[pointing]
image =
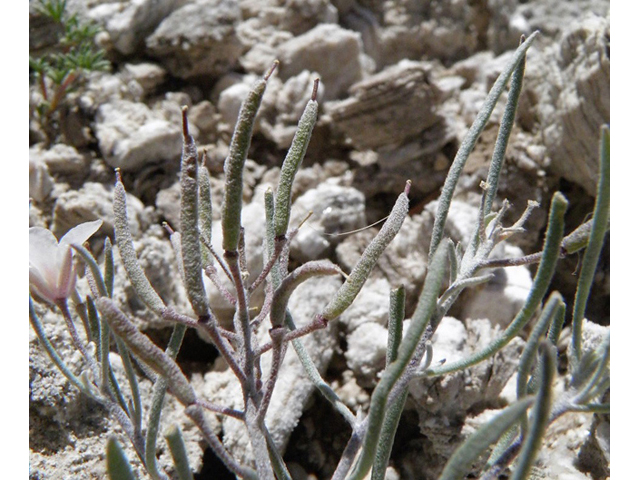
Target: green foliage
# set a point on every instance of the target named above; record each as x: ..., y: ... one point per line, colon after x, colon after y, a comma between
x: 517, y: 431
x: 60, y: 72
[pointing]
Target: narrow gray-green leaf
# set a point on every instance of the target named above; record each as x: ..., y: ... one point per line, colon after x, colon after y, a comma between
x: 108, y: 266
x: 397, y: 301
x: 508, y: 119
x: 463, y: 458
x: 594, y: 247
x: 425, y: 310
x: 469, y: 142
x: 205, y: 209
x: 178, y: 450
x: 394, y: 411
x: 556, y: 325
x: 578, y: 239
x: 540, y: 414
x: 118, y: 466
x: 529, y: 353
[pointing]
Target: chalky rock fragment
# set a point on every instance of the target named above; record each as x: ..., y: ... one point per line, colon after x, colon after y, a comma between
x: 131, y: 135
x: 328, y: 49
x: 198, y: 39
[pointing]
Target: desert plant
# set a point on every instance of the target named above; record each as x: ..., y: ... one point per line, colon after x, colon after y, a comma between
x: 517, y: 434
x: 58, y: 73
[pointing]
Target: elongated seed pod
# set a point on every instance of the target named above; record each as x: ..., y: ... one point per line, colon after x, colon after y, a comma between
x: 234, y: 164
x: 579, y: 238
x: 352, y: 286
x: 292, y: 162
x: 189, y: 231
x: 124, y: 240
x: 147, y: 351
x: 205, y: 209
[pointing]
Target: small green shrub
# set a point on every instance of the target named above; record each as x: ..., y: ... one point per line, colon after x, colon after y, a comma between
x: 58, y: 73
x: 517, y: 431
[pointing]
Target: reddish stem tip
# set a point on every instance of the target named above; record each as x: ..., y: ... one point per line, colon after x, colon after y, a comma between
x: 168, y: 228
x: 185, y: 122
x: 314, y: 94
x: 118, y: 176
x: 269, y: 72
x: 407, y: 187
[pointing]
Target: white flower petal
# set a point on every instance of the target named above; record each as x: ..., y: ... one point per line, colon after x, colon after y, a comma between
x: 66, y: 275
x: 81, y: 233
x: 43, y: 253
x: 40, y: 286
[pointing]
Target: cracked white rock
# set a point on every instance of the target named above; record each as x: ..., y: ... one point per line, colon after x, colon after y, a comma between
x: 129, y: 23
x: 198, y: 39
x: 131, y: 135
x: 328, y: 49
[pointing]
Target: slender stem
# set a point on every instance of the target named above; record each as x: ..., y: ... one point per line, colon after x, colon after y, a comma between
x: 54, y: 356
x: 133, y: 383
x: 218, y: 336
x: 351, y: 450
x: 267, y: 268
x: 210, y: 271
x: 157, y: 402
x: 195, y: 413
x: 230, y: 412
x: 217, y: 257
x: 318, y: 323
x: 241, y: 320
x: 277, y: 338
x: 79, y: 344
x: 540, y: 415
x: 379, y: 400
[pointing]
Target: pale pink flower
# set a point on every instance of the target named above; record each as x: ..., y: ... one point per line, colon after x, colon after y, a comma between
x: 51, y: 273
